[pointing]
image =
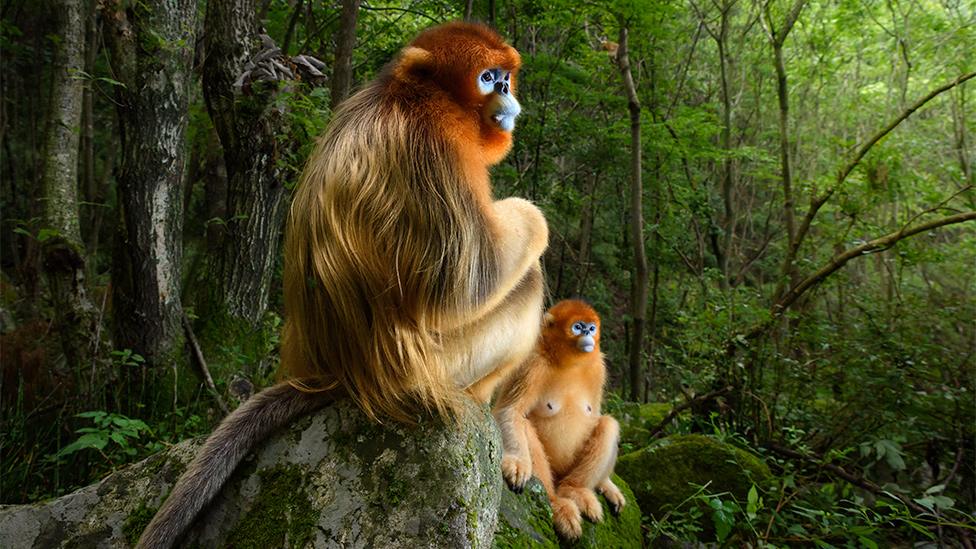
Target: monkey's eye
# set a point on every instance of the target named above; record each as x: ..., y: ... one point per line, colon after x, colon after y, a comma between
x: 487, y: 76
x: 578, y: 328
x: 591, y: 329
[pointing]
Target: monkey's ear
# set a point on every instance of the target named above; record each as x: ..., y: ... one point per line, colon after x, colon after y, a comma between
x: 548, y: 320
x: 412, y: 62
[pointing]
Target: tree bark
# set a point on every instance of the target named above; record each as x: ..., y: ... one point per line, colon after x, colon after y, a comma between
x: 638, y: 288
x: 345, y: 43
x: 726, y: 138
x: 151, y: 44
x: 63, y: 250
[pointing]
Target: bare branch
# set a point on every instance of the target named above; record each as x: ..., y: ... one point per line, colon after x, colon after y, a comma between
x: 846, y: 170
x: 876, y: 245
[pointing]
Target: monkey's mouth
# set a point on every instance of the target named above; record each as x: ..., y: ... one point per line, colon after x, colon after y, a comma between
x: 505, y: 120
x: 504, y: 110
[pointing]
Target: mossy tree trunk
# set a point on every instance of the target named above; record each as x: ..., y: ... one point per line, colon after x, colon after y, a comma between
x: 151, y: 44
x: 62, y: 247
x: 245, y: 83
x: 250, y: 125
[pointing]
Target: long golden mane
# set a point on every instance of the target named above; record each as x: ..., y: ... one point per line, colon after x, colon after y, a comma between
x: 387, y: 243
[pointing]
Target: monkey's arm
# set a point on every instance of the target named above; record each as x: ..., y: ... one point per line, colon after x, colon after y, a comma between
x: 515, y: 401
x: 236, y: 435
x: 520, y: 236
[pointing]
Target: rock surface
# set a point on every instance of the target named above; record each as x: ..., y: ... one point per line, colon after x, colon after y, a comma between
x: 333, y: 479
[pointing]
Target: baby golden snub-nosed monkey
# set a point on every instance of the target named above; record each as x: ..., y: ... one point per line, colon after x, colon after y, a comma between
x: 408, y: 288
x: 549, y: 415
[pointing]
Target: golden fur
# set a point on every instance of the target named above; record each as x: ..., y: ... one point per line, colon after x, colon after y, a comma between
x: 549, y: 414
x: 394, y: 248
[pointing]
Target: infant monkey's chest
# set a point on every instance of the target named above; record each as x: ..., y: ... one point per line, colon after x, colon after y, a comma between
x: 551, y: 405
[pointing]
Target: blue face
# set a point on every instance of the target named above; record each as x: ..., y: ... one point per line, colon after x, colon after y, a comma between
x: 584, y: 328
x: 586, y: 334
x: 502, y: 105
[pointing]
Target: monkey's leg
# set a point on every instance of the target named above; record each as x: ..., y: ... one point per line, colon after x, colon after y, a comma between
x: 516, y: 456
x: 566, y: 517
x: 593, y: 464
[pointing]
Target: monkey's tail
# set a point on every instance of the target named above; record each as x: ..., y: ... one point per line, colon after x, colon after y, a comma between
x: 236, y: 435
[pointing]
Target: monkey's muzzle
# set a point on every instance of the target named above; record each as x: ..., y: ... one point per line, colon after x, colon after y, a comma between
x: 586, y: 344
x: 504, y: 109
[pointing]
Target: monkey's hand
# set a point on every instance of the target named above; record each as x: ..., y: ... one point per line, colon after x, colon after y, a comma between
x: 522, y: 234
x: 516, y: 470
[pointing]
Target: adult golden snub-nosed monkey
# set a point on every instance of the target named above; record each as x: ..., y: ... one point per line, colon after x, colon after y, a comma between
x: 407, y: 287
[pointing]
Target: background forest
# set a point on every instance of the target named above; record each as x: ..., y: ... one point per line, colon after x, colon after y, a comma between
x: 770, y: 202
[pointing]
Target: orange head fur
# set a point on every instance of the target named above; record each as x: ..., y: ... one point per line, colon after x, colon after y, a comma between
x: 389, y: 239
x: 565, y: 327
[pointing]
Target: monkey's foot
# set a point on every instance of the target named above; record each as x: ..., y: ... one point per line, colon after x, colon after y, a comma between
x: 516, y: 472
x: 585, y: 499
x: 566, y: 518
x: 614, y: 496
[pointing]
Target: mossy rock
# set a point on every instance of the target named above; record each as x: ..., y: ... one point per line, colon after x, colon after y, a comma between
x: 331, y: 479
x: 637, y: 420
x: 668, y: 472
x: 525, y: 521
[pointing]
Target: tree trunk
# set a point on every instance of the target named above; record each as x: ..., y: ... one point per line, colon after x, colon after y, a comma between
x: 63, y: 250
x: 586, y: 233
x: 638, y: 288
x: 726, y: 137
x: 345, y: 42
x: 151, y: 43
x: 249, y: 120
x: 777, y: 38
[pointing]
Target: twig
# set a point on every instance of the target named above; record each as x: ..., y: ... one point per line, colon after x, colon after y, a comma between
x: 98, y: 338
x: 678, y: 409
x: 198, y: 357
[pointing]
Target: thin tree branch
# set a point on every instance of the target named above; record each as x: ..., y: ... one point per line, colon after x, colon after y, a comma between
x: 873, y: 246
x: 838, y: 261
x: 198, y: 358
x: 681, y: 408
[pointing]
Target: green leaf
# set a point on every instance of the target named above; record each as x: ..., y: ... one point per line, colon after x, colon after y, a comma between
x: 752, y: 502
x: 89, y: 440
x: 46, y: 234
x: 108, y: 80
x: 867, y: 542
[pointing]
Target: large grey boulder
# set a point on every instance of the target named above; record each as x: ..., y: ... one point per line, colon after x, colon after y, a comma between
x: 333, y: 479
